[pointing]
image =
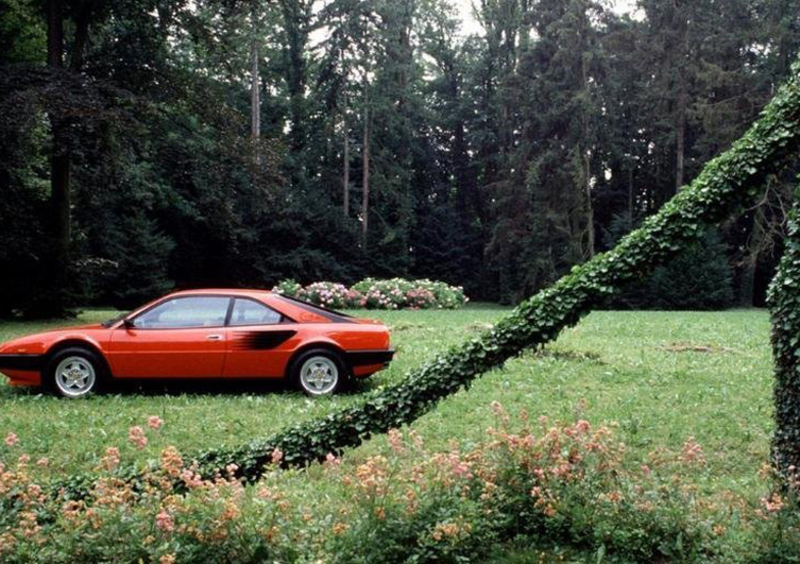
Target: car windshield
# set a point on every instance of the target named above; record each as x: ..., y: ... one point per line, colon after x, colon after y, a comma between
x: 113, y: 320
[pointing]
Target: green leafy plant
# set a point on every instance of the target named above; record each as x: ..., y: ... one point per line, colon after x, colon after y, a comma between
x: 784, y: 303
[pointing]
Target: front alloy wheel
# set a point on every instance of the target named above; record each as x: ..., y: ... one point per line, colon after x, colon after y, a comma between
x: 75, y: 373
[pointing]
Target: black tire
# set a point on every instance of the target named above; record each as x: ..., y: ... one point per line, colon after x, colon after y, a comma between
x: 311, y: 370
x: 75, y: 372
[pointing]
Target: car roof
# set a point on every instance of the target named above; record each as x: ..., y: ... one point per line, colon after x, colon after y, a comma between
x: 251, y: 293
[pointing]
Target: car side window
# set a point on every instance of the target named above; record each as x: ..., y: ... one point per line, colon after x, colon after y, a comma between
x: 182, y: 313
x: 250, y: 312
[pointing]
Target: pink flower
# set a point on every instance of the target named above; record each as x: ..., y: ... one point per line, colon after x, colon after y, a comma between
x: 111, y: 459
x: 277, y: 456
x: 154, y: 422
x: 165, y: 522
x: 396, y: 440
x: 42, y: 462
x: 582, y: 426
x: 11, y: 439
x: 331, y: 461
x: 137, y: 437
x: 497, y: 408
x: 772, y: 504
x: 191, y: 478
x: 692, y: 452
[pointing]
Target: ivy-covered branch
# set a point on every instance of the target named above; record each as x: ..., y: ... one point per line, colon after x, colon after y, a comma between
x: 784, y: 303
x: 726, y: 185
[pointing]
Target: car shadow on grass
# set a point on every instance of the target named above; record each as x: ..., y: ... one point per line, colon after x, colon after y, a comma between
x: 192, y: 386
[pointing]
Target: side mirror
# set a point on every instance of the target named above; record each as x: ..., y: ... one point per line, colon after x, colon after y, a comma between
x: 128, y: 323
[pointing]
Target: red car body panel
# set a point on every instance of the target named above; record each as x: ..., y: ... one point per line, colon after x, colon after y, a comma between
x: 226, y: 349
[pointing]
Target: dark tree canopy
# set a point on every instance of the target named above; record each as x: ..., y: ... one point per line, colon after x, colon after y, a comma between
x: 151, y: 144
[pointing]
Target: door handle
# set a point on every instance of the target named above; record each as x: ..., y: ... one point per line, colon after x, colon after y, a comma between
x: 214, y: 337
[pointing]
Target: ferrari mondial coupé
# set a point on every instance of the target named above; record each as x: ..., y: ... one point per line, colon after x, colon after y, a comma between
x: 204, y: 334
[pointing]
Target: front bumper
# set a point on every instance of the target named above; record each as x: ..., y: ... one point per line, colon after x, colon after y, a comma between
x: 22, y: 369
x: 22, y: 362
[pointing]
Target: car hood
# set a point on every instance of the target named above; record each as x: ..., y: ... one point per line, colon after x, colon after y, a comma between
x: 39, y: 342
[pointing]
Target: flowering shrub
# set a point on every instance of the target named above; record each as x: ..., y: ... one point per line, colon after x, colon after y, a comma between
x: 570, y: 484
x: 330, y: 295
x: 396, y: 293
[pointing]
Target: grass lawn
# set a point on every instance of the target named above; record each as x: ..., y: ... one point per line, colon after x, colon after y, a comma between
x: 661, y: 377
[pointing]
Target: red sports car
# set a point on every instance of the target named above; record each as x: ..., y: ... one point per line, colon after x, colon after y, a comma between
x: 205, y: 334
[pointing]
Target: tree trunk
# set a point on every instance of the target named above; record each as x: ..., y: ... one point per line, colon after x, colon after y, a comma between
x: 682, y: 101
x: 589, y: 207
x: 346, y: 157
x: 81, y: 35
x: 680, y: 134
x: 630, y: 198
x: 365, y: 177
x: 59, y: 161
x: 55, y: 34
x: 255, y: 99
x: 586, y: 172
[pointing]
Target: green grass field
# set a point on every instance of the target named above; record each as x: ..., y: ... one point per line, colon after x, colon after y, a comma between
x: 661, y: 377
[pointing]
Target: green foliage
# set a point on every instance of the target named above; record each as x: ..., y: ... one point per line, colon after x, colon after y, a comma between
x: 784, y: 305
x: 22, y: 33
x: 698, y: 278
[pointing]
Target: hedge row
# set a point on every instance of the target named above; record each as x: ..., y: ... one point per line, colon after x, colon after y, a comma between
x: 726, y: 185
x: 370, y: 293
x: 784, y: 304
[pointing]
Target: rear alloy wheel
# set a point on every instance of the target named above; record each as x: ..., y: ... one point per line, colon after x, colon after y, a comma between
x: 320, y: 373
x: 75, y: 373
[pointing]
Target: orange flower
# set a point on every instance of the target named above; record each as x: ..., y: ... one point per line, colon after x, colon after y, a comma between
x: 171, y: 461
x: 137, y: 437
x: 165, y: 522
x: 111, y: 459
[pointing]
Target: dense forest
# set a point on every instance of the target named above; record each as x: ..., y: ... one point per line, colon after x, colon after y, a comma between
x: 149, y: 144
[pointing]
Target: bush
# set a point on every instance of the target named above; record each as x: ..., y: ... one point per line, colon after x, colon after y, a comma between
x: 330, y: 295
x: 565, y: 483
x: 396, y: 293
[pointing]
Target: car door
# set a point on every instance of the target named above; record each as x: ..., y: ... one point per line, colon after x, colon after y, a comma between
x: 178, y: 337
x: 260, y: 340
